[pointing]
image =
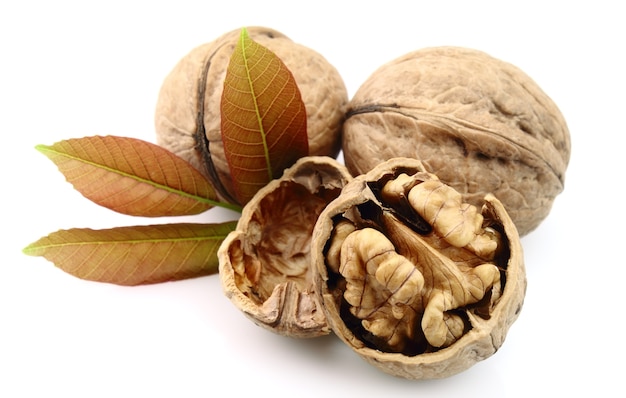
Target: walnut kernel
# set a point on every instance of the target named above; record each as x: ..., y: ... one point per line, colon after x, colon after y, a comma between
x: 415, y: 280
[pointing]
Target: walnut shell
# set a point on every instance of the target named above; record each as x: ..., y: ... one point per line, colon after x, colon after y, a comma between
x: 264, y: 265
x: 412, y: 278
x: 187, y: 118
x: 480, y: 124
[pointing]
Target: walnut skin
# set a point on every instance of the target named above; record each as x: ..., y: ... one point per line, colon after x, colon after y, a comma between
x: 264, y: 265
x: 480, y: 124
x: 188, y: 119
x: 418, y: 282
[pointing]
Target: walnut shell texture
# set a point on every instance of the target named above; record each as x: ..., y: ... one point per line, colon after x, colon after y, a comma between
x: 187, y: 117
x: 412, y: 278
x: 265, y: 264
x: 480, y: 124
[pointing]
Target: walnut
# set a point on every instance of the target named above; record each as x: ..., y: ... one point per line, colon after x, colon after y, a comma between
x: 413, y: 278
x: 188, y: 119
x: 265, y: 264
x: 480, y: 124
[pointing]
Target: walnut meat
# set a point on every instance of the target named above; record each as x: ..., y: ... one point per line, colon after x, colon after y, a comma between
x: 417, y: 281
x: 187, y: 118
x: 265, y: 264
x: 480, y: 124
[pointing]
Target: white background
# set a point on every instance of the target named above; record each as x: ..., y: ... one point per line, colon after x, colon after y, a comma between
x: 69, y: 70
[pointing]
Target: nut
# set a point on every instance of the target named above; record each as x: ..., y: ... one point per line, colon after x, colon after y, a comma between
x: 480, y: 124
x: 418, y: 282
x: 188, y: 119
x: 264, y: 265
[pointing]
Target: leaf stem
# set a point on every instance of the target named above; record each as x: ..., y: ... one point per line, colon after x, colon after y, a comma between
x: 229, y: 206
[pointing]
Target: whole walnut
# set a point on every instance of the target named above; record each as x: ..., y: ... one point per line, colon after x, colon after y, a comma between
x: 418, y: 282
x: 188, y: 118
x: 480, y: 124
x: 265, y: 264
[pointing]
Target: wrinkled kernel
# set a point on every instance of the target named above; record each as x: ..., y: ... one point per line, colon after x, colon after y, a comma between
x: 417, y: 303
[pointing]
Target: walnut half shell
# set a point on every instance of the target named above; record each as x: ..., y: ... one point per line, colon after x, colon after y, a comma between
x: 417, y: 281
x: 265, y: 264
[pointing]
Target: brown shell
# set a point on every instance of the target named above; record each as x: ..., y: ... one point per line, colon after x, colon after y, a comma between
x: 187, y: 118
x: 487, y: 327
x: 264, y: 265
x: 480, y: 124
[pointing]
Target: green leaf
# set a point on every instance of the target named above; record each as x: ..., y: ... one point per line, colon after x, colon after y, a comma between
x: 135, y: 255
x: 132, y: 176
x: 263, y: 118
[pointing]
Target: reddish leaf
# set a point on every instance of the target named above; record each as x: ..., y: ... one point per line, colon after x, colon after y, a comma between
x: 132, y: 176
x: 263, y: 118
x: 135, y: 255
